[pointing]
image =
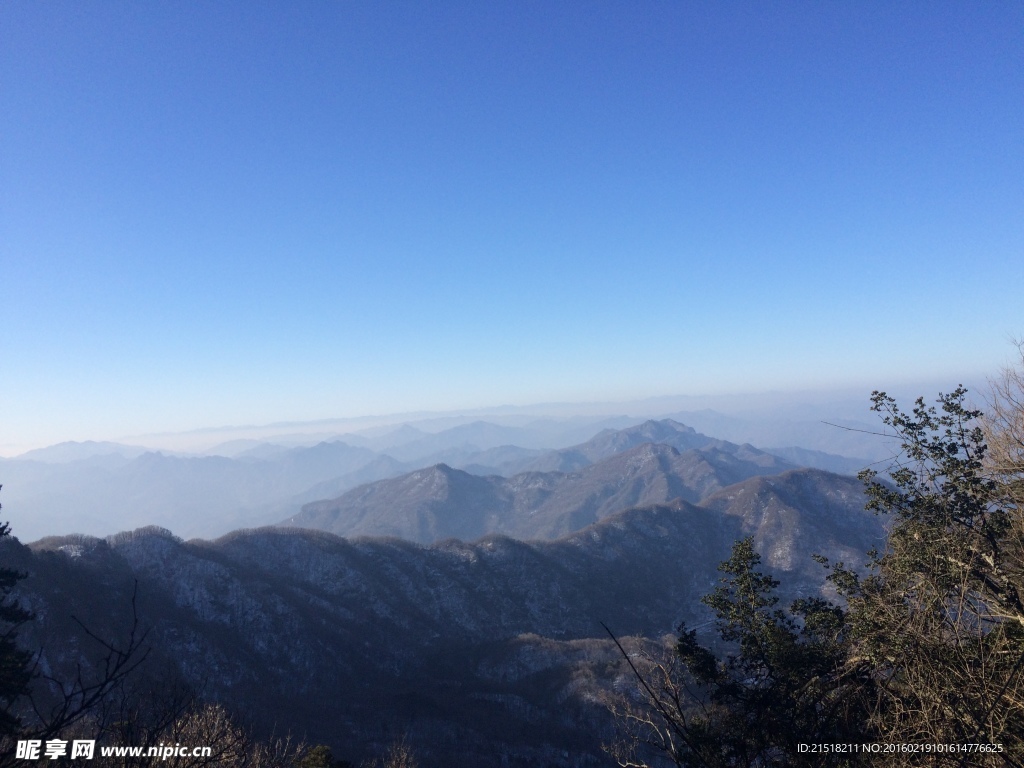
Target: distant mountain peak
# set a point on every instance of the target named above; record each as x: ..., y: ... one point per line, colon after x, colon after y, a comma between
x: 440, y: 501
x: 71, y: 451
x: 436, y: 470
x: 661, y: 426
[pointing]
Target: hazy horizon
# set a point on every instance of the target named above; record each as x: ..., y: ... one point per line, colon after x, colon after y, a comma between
x: 850, y: 403
x: 247, y: 214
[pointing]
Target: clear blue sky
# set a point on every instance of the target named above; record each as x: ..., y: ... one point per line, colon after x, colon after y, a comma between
x: 218, y: 213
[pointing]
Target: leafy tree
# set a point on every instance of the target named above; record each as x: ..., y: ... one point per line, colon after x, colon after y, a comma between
x: 929, y: 649
x: 784, y: 683
x: 939, y: 619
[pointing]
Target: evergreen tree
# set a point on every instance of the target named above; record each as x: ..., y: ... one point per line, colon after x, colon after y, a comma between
x: 781, y: 682
x: 15, y: 664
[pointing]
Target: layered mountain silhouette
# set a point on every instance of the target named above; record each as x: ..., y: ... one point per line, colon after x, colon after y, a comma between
x: 486, y: 653
x: 618, y: 470
x: 100, y: 488
x: 196, y: 495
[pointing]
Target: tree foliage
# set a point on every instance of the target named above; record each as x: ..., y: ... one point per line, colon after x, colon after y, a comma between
x: 926, y: 649
x: 780, y: 682
x: 939, y: 620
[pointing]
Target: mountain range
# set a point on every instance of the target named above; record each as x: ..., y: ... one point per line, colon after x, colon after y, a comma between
x: 101, y: 488
x: 440, y: 502
x: 482, y: 653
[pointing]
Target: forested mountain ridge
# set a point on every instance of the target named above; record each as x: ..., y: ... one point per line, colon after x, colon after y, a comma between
x: 440, y: 502
x: 353, y: 640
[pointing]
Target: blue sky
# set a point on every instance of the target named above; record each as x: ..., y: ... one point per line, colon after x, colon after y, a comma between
x: 251, y: 212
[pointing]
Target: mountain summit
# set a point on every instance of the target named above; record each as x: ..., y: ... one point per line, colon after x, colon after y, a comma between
x: 617, y: 469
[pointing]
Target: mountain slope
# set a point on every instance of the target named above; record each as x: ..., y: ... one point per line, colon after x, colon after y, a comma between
x: 609, y: 442
x: 440, y: 502
x: 486, y: 653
